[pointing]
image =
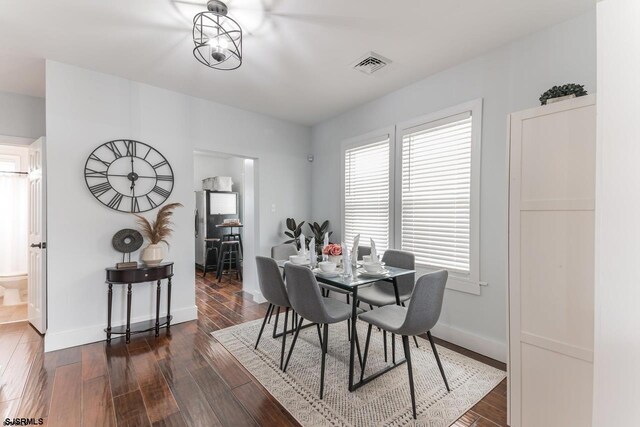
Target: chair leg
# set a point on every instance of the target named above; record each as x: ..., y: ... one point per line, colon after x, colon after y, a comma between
x: 435, y: 353
x: 366, y: 351
x: 325, y: 340
x: 266, y: 316
x: 319, y: 334
x: 293, y: 344
x: 284, y: 335
x: 384, y: 335
x: 275, y: 325
x: 270, y: 314
x: 393, y: 348
x: 328, y: 292
x: 407, y: 355
x: 347, y: 298
x: 349, y: 329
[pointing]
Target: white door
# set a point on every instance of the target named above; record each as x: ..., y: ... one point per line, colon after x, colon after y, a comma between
x: 37, y: 237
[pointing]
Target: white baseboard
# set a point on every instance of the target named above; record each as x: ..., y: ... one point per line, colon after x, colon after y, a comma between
x: 71, y: 338
x: 485, y: 346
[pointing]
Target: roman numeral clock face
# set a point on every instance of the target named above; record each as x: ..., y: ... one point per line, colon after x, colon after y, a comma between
x: 128, y: 176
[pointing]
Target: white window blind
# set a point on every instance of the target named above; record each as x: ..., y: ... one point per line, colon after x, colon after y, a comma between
x: 366, y: 193
x: 436, y: 192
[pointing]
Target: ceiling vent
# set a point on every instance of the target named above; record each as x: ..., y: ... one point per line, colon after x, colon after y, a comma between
x: 370, y: 63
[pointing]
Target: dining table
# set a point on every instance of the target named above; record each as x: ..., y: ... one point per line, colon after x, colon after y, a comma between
x: 351, y: 283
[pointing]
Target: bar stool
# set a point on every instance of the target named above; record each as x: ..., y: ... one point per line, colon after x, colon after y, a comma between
x: 211, y: 247
x: 230, y: 257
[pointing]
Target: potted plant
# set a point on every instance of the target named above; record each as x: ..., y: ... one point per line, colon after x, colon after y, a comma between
x: 319, y: 231
x: 294, y: 231
x: 156, y: 232
x: 559, y: 93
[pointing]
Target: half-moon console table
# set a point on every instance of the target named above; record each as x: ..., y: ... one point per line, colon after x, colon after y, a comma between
x: 129, y: 276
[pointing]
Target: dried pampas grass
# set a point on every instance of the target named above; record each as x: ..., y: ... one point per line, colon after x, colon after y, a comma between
x: 160, y: 229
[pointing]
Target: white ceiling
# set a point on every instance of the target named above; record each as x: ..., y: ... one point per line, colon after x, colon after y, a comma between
x: 297, y: 53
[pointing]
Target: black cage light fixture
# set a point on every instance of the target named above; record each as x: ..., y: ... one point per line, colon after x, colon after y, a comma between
x: 217, y: 38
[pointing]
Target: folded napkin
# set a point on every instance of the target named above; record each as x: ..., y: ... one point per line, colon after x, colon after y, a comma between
x: 303, y: 246
x: 354, y: 251
x: 374, y: 252
x: 326, y: 243
x: 313, y: 257
x: 345, y: 260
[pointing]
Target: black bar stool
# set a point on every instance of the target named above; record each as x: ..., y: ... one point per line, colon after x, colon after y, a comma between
x: 231, y: 237
x: 231, y: 258
x: 211, y: 248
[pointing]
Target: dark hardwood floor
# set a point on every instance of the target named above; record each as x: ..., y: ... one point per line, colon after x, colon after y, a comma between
x: 184, y: 379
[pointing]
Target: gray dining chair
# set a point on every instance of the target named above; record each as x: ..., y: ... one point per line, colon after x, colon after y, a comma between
x: 274, y: 291
x: 284, y: 251
x: 420, y: 317
x: 380, y: 294
x: 308, y: 302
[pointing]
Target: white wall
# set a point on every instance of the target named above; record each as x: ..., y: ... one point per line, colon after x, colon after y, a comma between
x: 617, y: 289
x: 22, y: 115
x: 209, y: 165
x: 508, y: 79
x: 86, y: 109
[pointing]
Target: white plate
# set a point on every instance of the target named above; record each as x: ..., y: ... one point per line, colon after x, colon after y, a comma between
x: 321, y: 273
x: 382, y: 273
x: 301, y: 264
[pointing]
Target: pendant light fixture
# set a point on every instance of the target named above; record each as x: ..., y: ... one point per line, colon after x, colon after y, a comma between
x: 217, y: 38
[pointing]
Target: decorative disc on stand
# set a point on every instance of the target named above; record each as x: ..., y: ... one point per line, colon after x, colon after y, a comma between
x: 126, y: 241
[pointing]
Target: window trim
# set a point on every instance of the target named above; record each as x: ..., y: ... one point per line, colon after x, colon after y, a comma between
x: 469, y: 283
x: 359, y: 141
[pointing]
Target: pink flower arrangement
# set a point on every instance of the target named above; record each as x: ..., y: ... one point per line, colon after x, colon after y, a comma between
x: 332, y: 249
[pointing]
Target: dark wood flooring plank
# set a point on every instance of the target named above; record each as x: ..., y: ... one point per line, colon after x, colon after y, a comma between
x: 130, y: 410
x: 94, y: 361
x: 155, y: 391
x: 97, y: 403
x: 226, y: 407
x: 262, y: 407
x: 121, y: 372
x: 66, y: 399
x: 192, y: 402
x: 173, y: 420
x: 14, y: 377
x: 490, y: 412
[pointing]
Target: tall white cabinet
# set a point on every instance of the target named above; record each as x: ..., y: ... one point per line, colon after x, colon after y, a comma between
x: 551, y: 263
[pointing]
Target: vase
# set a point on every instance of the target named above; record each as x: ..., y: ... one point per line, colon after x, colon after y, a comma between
x: 153, y: 254
x: 337, y: 259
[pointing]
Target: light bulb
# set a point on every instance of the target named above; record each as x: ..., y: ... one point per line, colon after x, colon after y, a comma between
x: 218, y: 42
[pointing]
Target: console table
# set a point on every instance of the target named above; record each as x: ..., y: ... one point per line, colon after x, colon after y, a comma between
x: 129, y: 276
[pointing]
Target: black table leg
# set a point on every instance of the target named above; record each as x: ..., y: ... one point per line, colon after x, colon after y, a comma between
x: 158, y: 308
x: 169, y: 303
x: 395, y: 290
x: 109, y: 304
x: 128, y: 334
x: 354, y: 318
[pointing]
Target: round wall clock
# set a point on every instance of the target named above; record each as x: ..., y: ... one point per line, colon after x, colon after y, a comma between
x: 128, y: 176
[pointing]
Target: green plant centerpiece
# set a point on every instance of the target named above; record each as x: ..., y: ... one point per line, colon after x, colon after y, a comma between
x: 293, y: 232
x: 319, y: 231
x: 564, y: 90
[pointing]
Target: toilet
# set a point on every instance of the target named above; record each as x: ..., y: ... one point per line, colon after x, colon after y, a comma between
x: 11, y: 287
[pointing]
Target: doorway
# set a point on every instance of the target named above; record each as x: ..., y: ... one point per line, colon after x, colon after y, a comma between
x: 224, y: 192
x: 14, y: 217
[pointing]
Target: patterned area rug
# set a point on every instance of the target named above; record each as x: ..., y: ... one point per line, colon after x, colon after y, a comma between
x: 383, y: 402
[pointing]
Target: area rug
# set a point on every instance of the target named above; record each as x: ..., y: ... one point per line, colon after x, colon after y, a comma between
x: 383, y: 402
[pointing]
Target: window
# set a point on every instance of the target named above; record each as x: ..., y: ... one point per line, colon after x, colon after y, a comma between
x: 416, y: 187
x: 367, y: 191
x: 436, y: 193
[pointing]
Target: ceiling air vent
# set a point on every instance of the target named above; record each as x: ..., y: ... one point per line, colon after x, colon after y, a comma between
x: 370, y: 63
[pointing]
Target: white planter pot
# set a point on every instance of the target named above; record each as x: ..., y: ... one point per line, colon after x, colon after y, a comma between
x: 153, y: 254
x: 336, y: 258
